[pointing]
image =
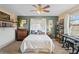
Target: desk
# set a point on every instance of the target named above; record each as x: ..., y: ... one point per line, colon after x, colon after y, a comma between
x: 70, y: 41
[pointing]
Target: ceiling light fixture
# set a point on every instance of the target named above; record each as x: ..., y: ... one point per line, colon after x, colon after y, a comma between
x: 40, y: 8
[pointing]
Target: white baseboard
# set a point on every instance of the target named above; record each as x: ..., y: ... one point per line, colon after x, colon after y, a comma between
x: 7, y: 43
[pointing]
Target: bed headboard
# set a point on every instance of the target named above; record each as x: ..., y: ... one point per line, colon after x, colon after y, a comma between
x: 38, y: 26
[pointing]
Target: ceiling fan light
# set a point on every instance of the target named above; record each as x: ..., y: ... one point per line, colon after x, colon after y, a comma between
x: 41, y: 9
x: 38, y: 12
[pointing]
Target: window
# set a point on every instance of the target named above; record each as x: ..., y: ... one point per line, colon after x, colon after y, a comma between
x: 74, y: 25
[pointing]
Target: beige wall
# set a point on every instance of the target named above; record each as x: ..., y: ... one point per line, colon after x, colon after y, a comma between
x: 66, y: 16
x: 71, y: 11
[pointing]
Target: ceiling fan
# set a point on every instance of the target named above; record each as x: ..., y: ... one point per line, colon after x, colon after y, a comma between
x: 41, y: 9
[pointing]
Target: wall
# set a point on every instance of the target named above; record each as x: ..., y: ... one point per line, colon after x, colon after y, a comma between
x: 13, y: 16
x: 54, y: 18
x: 36, y: 24
x: 66, y: 16
x: 71, y: 11
x: 7, y: 34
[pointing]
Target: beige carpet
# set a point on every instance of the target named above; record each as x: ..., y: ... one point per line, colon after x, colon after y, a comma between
x: 13, y: 48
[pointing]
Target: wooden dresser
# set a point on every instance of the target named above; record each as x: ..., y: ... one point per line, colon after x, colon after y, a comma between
x: 21, y: 34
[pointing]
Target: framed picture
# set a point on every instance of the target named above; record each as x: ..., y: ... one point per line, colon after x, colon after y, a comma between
x: 3, y: 24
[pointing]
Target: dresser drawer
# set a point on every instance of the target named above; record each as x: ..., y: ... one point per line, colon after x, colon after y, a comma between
x: 21, y: 34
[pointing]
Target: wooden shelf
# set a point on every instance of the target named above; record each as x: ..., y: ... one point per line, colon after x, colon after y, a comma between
x: 4, y: 16
x: 5, y: 20
x: 59, y: 29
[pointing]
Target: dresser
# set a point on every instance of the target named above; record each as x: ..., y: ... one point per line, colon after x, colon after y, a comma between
x: 21, y: 34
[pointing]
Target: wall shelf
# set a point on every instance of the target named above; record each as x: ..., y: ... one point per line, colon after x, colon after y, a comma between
x: 59, y: 29
x: 5, y: 20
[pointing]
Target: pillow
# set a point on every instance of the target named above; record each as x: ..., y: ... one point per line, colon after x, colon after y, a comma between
x: 37, y: 32
x: 33, y: 32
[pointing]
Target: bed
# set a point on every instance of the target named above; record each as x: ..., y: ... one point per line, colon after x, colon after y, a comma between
x: 37, y: 43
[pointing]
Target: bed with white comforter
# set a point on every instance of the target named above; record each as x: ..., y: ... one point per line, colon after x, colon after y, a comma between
x: 37, y: 43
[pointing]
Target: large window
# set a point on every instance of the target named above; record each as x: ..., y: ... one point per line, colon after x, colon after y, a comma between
x: 74, y: 25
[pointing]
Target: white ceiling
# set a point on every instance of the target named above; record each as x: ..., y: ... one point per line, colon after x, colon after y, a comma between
x: 25, y: 9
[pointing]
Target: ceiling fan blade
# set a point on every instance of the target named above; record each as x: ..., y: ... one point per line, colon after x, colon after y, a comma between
x: 39, y: 5
x: 46, y: 10
x: 46, y: 7
x: 34, y: 6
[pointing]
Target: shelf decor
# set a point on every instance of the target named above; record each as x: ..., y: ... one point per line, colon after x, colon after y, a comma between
x: 60, y: 29
x: 5, y: 20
